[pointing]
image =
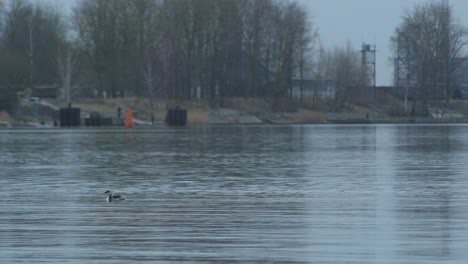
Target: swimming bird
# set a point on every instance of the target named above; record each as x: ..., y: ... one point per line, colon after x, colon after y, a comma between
x: 114, y: 197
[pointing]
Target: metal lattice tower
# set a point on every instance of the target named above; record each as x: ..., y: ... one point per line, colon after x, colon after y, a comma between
x: 404, y: 77
x: 402, y: 67
x: 368, y: 63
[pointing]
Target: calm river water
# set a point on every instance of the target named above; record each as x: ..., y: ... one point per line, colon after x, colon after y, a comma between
x: 236, y: 194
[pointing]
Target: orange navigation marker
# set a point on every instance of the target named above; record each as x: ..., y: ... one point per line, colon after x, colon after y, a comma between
x: 129, y: 119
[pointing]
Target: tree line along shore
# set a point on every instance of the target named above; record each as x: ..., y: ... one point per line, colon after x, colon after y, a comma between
x: 175, y: 51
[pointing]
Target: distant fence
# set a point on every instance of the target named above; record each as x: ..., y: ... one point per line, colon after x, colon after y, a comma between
x: 396, y: 91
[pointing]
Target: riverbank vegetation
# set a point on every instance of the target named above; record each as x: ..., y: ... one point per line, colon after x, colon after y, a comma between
x: 175, y: 51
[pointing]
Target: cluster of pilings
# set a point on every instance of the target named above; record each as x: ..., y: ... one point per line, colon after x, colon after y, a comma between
x: 71, y: 117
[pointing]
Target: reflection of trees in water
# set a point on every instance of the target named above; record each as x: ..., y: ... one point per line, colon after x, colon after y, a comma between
x: 425, y: 180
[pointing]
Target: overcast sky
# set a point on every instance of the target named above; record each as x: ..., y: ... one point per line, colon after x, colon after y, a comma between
x: 370, y: 21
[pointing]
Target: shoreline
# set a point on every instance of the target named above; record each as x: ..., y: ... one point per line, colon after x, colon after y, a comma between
x: 236, y: 111
x: 422, y: 121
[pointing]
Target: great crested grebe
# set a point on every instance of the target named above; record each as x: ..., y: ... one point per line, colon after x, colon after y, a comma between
x: 114, y: 197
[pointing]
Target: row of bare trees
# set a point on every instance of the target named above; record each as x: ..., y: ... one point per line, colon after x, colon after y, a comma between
x: 188, y: 48
x: 211, y: 49
x: 429, y: 47
x: 30, y: 38
x: 156, y: 48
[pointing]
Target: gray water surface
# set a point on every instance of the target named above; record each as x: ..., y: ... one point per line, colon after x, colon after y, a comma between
x: 236, y: 194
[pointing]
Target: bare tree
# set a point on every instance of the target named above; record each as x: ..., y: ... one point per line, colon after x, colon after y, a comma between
x: 451, y: 50
x: 152, y: 77
x: 321, y: 65
x: 346, y: 72
x: 67, y: 69
x: 307, y: 43
x: 433, y: 43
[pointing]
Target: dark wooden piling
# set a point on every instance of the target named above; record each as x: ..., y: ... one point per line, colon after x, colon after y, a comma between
x: 176, y: 117
x: 70, y: 117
